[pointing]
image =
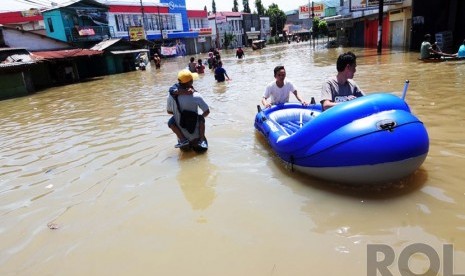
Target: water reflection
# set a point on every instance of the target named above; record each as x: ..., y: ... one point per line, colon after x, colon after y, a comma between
x: 197, y: 179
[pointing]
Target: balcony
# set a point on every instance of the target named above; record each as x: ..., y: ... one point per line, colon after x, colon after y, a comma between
x: 89, y: 33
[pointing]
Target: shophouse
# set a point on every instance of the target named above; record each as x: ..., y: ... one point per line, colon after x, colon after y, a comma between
x: 245, y: 28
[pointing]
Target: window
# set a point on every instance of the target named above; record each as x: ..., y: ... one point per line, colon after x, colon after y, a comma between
x: 50, y: 25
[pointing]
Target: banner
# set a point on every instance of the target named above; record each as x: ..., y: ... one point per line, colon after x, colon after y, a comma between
x: 168, y: 51
x: 359, y: 5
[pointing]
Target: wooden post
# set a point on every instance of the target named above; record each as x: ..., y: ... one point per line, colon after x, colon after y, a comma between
x: 380, y: 26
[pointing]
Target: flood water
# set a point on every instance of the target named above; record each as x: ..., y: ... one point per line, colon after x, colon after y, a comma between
x: 91, y: 184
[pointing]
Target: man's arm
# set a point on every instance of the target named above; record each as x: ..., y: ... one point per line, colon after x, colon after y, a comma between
x: 265, y: 102
x: 297, y: 95
x: 178, y: 90
x: 327, y: 104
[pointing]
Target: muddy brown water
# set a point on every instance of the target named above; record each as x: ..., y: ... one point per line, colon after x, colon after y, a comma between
x: 96, y: 161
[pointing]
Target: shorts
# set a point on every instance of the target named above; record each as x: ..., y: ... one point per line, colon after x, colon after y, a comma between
x: 172, y: 121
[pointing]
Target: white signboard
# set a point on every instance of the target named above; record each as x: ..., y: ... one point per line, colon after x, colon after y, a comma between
x: 306, y: 12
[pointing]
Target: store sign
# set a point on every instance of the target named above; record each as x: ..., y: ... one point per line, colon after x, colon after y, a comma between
x: 201, y: 39
x: 203, y: 31
x: 306, y: 11
x: 136, y: 33
x: 30, y: 12
x: 86, y: 31
x: 358, y: 5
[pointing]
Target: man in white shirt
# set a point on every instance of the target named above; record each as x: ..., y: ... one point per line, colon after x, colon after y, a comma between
x: 279, y: 89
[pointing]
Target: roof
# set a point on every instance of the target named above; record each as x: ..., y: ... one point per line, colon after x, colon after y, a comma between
x: 20, y: 17
x: 105, y: 44
x: 63, y: 54
x: 15, y: 57
x: 119, y: 8
x: 225, y: 14
x: 129, y: 51
x: 197, y: 14
x: 72, y: 2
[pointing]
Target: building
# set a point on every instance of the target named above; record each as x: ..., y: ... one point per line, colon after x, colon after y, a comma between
x: 15, y: 72
x: 245, y: 28
x: 81, y: 23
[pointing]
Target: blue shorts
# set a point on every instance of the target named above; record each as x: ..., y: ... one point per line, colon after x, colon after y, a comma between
x: 172, y: 121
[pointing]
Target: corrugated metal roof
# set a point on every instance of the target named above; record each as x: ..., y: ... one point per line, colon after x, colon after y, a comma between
x: 129, y: 51
x: 105, y: 44
x: 62, y: 54
x: 15, y: 57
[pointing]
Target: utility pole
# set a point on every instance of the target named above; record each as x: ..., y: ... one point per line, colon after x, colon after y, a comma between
x: 143, y: 16
x: 160, y: 25
x: 380, y: 26
x: 313, y: 15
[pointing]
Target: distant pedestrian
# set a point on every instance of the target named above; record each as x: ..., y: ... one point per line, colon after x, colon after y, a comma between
x: 210, y: 60
x: 192, y: 65
x: 220, y: 73
x: 200, y: 67
x: 157, y: 60
x: 240, y: 53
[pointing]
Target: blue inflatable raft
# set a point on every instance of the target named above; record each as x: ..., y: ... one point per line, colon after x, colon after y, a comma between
x: 371, y: 139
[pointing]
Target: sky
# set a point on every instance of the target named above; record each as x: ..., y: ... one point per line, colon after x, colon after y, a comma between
x: 226, y: 5
x: 221, y: 5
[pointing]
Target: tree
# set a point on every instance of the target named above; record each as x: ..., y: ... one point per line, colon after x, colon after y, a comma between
x: 229, y: 38
x: 245, y: 3
x: 235, y: 6
x: 277, y: 19
x: 260, y: 8
x: 213, y: 6
x: 323, y: 27
x: 205, y: 8
x: 316, y: 26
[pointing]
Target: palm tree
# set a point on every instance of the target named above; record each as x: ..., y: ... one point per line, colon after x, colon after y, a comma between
x: 229, y: 38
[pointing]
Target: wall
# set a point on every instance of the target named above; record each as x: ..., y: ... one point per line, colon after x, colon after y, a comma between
x: 13, y: 85
x: 400, y: 27
x: 32, y: 42
x: 58, y: 28
x: 371, y: 32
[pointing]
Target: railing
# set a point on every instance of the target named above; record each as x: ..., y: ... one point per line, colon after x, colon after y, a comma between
x: 89, y: 33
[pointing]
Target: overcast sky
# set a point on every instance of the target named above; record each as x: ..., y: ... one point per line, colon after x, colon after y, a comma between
x: 221, y: 5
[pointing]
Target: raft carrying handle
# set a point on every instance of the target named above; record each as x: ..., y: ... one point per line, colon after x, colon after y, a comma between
x: 259, y: 108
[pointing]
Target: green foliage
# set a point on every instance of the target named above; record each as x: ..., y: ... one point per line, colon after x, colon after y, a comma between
x: 320, y: 27
x: 228, y: 39
x: 260, y: 8
x: 316, y: 25
x: 277, y: 19
x: 323, y: 27
x: 235, y: 6
x: 245, y: 3
x: 213, y: 6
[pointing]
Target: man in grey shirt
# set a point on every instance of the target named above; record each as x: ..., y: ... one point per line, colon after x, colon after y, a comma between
x: 183, y: 97
x: 341, y: 88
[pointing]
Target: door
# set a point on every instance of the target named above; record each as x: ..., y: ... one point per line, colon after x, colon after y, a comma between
x: 397, y: 34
